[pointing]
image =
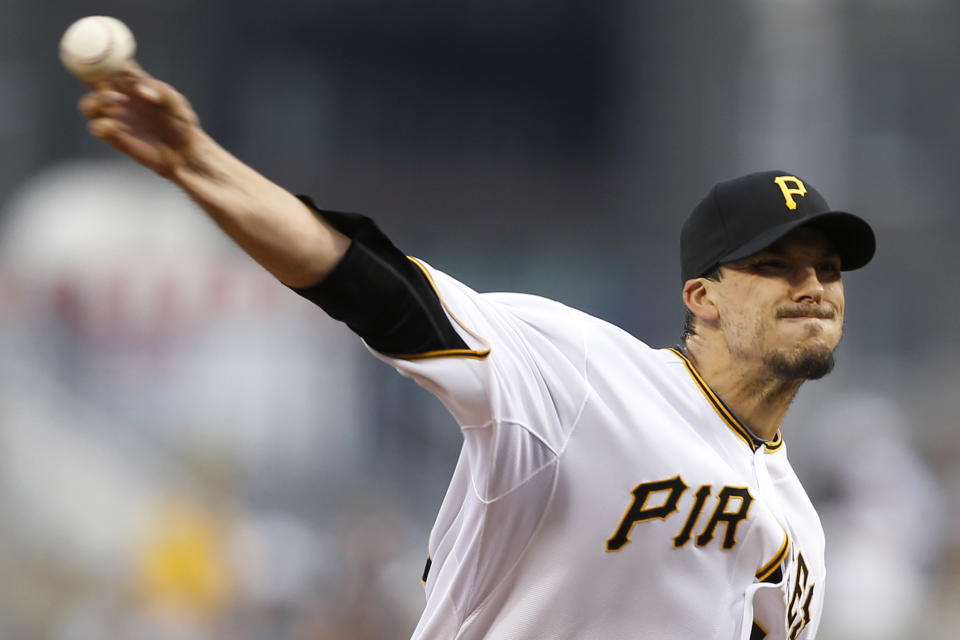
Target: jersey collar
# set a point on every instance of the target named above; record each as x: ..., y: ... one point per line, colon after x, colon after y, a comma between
x: 725, y: 412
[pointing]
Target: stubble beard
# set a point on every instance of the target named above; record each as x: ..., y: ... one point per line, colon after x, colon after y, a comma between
x: 808, y: 364
x: 803, y: 362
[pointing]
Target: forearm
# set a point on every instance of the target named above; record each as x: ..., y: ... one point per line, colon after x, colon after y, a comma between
x: 372, y: 287
x: 272, y: 225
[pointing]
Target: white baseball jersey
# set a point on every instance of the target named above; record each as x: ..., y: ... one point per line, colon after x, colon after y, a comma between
x: 603, y: 490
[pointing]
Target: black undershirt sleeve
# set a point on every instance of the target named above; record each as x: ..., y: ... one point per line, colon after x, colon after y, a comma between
x: 380, y: 293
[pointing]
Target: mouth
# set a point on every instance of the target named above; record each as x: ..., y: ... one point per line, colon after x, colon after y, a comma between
x: 805, y: 314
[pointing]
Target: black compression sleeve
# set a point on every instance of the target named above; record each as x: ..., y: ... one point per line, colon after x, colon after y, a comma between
x: 379, y: 293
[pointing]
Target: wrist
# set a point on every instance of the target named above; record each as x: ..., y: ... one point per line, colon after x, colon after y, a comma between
x: 203, y: 160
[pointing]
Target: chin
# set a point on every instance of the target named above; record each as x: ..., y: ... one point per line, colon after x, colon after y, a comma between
x: 810, y: 363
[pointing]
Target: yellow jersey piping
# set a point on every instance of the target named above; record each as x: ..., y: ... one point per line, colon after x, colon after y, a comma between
x: 731, y: 420
x: 767, y: 570
x: 760, y: 627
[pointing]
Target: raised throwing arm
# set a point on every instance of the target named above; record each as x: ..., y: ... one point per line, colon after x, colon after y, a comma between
x: 341, y: 262
x: 155, y: 125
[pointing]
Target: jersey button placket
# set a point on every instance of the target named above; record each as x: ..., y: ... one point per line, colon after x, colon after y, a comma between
x: 765, y: 485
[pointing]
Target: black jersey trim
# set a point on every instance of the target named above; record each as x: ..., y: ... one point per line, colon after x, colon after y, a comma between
x: 477, y: 354
x: 426, y: 570
x: 757, y: 632
x: 724, y: 412
x: 769, y: 572
x: 381, y: 295
x: 775, y: 444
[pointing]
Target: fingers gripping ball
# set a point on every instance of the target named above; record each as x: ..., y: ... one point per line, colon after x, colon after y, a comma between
x: 96, y: 47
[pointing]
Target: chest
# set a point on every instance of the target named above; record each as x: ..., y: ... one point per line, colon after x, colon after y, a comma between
x: 671, y: 492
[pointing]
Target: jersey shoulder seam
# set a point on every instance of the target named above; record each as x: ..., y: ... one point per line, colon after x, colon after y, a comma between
x: 464, y: 623
x: 533, y: 474
x: 587, y: 389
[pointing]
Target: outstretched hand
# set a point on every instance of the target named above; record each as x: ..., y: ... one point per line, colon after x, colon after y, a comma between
x: 154, y: 124
x: 145, y: 118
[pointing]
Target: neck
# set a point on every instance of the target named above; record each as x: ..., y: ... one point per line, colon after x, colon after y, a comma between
x: 759, y: 398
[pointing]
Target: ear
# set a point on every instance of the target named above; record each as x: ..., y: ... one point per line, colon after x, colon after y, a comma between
x: 698, y: 297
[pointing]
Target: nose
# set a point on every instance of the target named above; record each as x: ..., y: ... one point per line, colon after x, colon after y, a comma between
x: 807, y: 286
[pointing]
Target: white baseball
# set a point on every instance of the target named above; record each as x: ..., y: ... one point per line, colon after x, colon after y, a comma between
x: 96, y: 47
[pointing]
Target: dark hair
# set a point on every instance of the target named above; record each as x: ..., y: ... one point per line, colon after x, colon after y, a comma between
x: 688, y: 318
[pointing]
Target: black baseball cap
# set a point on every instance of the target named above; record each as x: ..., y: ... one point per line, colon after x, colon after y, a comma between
x: 745, y: 215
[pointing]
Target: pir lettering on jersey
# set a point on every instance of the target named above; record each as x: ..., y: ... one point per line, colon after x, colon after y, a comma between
x: 730, y: 515
x: 731, y: 507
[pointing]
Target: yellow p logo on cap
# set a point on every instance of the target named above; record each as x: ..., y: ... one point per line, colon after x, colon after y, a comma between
x: 798, y: 189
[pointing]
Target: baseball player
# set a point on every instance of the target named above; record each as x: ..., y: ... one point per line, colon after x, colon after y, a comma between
x: 605, y: 489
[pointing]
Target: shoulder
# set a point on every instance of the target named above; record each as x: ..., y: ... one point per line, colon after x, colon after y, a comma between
x: 507, y: 312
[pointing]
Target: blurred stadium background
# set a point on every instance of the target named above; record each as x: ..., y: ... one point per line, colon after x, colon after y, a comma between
x: 190, y: 451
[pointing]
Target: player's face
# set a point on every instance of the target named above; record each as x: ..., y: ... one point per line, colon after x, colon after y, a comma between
x: 784, y: 306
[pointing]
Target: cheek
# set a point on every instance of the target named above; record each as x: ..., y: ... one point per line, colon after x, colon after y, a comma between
x: 835, y: 296
x: 744, y: 319
x: 749, y: 305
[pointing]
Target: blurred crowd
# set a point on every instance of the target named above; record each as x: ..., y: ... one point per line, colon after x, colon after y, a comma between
x: 158, y: 390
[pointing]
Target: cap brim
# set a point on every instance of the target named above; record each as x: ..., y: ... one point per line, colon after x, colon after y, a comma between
x: 851, y: 236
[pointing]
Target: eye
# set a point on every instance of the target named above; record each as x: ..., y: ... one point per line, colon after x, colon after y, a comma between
x: 770, y: 264
x: 829, y: 270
